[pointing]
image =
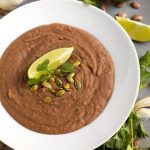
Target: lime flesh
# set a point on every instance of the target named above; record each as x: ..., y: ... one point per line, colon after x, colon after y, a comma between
x: 136, y: 30
x: 56, y: 58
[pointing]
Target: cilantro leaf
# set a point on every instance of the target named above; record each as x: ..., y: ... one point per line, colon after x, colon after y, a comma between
x: 144, y: 73
x: 145, y: 60
x: 42, y: 78
x: 97, y: 3
x: 141, y: 132
x: 89, y: 2
x: 43, y: 66
x: 67, y: 67
x: 120, y: 140
x: 33, y: 81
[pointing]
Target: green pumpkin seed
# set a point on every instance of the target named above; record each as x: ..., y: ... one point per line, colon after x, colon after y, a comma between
x: 46, y: 84
x: 76, y: 63
x: 69, y: 77
x: 71, y: 74
x: 66, y: 86
x: 34, y: 88
x: 57, y: 71
x: 77, y: 85
x: 61, y: 74
x: 51, y: 80
x: 60, y: 92
x: 47, y: 99
x: 52, y: 91
x: 58, y: 82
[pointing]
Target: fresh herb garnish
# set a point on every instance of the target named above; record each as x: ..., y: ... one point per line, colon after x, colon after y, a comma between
x: 36, y: 81
x: 144, y: 66
x: 90, y: 2
x: 33, y: 81
x: 97, y: 3
x: 67, y: 67
x: 124, y: 139
x: 43, y: 66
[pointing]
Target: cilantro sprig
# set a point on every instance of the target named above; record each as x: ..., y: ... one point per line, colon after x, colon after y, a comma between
x: 41, y: 67
x: 91, y: 2
x: 97, y: 3
x: 67, y: 67
x: 124, y: 139
x: 144, y: 66
x: 42, y: 78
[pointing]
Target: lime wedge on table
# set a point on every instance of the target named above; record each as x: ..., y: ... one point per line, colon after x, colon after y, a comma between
x: 56, y: 58
x: 136, y: 30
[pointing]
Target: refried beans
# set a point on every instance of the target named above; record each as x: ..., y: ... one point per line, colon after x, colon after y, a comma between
x: 73, y: 110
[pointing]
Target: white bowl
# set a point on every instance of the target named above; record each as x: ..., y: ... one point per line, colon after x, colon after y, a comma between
x: 124, y: 56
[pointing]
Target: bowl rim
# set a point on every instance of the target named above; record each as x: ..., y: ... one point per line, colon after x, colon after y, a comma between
x: 121, y: 29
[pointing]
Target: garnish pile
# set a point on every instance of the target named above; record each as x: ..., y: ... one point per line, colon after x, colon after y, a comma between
x: 62, y: 77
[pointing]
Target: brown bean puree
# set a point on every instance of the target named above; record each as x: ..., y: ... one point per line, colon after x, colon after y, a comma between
x: 73, y: 110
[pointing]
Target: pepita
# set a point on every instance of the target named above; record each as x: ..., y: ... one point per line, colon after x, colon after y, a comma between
x: 66, y: 86
x: 46, y: 84
x: 52, y: 91
x: 77, y: 85
x: 47, y: 99
x: 34, y: 88
x: 60, y: 93
x: 76, y: 63
x: 58, y: 82
x: 51, y: 80
x: 69, y: 77
x: 57, y: 71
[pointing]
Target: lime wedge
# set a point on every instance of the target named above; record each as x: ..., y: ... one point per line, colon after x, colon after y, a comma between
x: 136, y: 30
x: 56, y: 58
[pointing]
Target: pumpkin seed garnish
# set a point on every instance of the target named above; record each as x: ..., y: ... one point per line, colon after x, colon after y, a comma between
x: 44, y: 71
x: 77, y: 85
x: 60, y: 93
x: 47, y: 99
x: 52, y: 91
x: 70, y: 77
x: 61, y: 74
x: 51, y: 80
x: 34, y: 88
x: 46, y: 84
x: 66, y: 86
x: 76, y: 63
x: 57, y: 71
x: 58, y: 82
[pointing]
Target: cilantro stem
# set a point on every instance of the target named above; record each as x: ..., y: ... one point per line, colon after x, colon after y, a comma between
x: 104, y: 147
x: 131, y: 130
